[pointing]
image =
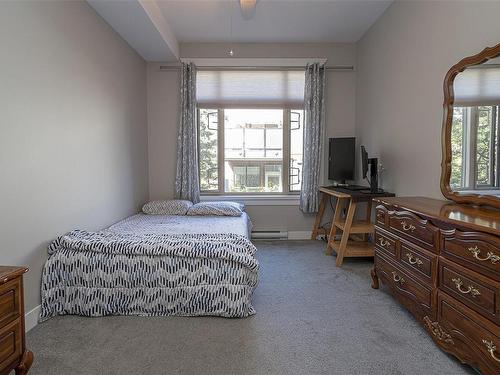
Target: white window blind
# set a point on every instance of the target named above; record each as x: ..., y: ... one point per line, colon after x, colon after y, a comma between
x: 478, y: 86
x: 250, y: 88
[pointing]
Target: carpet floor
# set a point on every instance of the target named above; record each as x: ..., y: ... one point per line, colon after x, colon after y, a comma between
x: 312, y: 318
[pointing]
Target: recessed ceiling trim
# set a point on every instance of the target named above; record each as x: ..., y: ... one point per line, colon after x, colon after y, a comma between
x: 161, y: 25
x: 142, y: 25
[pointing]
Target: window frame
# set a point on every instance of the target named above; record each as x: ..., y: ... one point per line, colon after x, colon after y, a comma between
x: 286, y: 168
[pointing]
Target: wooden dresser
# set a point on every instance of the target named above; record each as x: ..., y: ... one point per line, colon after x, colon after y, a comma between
x: 13, y: 353
x: 441, y: 261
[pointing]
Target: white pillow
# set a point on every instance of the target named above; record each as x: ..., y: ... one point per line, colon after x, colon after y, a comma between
x: 217, y: 209
x: 169, y: 207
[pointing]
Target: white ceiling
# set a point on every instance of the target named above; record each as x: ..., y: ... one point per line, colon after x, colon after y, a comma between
x: 154, y: 28
x: 274, y: 20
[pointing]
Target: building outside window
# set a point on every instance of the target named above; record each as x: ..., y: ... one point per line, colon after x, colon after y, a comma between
x: 250, y: 150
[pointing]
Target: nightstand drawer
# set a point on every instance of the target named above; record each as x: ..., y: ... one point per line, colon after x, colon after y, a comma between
x: 10, y: 301
x: 11, y: 339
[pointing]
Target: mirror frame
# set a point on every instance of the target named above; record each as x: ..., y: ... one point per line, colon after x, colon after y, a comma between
x: 472, y: 198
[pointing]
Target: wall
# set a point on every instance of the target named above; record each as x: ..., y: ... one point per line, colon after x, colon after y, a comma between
x: 402, y: 61
x: 163, y: 115
x: 73, y: 141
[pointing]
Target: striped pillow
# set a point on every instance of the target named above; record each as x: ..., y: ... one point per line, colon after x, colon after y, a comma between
x: 169, y: 207
x: 217, y: 209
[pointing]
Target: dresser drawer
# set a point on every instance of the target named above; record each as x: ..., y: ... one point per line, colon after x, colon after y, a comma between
x: 406, y: 288
x: 422, y: 262
x: 479, y: 293
x: 385, y: 242
x: 381, y: 215
x: 11, y: 339
x: 416, y: 230
x: 467, y: 335
x: 10, y: 301
x: 478, y: 251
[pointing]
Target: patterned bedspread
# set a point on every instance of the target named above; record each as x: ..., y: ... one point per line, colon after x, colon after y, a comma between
x: 106, y: 273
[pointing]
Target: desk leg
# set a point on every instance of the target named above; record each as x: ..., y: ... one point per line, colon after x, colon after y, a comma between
x: 345, y: 233
x: 368, y: 217
x: 319, y: 215
x: 333, y: 228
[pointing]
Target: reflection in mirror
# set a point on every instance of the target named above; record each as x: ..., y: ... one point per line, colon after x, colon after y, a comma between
x: 475, y: 133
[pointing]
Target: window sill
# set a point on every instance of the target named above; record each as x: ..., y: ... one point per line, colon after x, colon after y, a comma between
x: 256, y: 200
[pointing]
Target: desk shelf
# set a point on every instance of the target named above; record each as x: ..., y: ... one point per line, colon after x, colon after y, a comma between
x: 354, y: 248
x: 362, y: 227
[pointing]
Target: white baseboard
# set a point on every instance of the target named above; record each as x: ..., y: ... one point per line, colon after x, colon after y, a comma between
x: 31, y: 318
x: 299, y: 234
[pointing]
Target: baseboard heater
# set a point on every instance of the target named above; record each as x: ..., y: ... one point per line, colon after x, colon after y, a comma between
x: 269, y: 235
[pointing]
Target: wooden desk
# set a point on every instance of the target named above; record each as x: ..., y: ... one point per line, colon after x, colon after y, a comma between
x: 360, y: 247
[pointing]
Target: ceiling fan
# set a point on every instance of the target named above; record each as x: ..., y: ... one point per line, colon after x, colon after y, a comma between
x: 248, y: 8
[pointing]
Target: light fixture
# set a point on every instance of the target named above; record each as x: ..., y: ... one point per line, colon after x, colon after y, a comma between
x: 248, y: 8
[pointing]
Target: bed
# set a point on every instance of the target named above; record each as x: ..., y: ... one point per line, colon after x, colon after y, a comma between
x: 153, y: 265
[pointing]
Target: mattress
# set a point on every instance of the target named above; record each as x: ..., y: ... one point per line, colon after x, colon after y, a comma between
x: 153, y: 265
x: 176, y: 224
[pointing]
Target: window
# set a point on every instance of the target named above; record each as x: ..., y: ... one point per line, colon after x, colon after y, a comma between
x: 475, y: 148
x: 250, y: 130
x: 248, y: 150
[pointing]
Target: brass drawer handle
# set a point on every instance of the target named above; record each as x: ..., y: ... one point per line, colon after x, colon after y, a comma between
x: 407, y: 227
x: 491, y: 349
x: 459, y: 284
x: 383, y: 242
x: 489, y: 255
x: 397, y: 278
x: 413, y: 260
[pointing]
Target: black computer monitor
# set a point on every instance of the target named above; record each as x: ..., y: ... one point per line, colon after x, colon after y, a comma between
x: 364, y: 161
x: 373, y: 163
x: 341, y: 159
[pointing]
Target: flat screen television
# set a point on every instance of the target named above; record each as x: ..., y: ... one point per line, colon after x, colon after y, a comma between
x: 341, y: 159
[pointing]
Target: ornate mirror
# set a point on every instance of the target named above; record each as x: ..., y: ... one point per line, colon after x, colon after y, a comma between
x: 471, y: 130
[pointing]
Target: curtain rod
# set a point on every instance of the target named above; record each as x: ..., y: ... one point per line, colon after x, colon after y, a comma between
x: 332, y: 68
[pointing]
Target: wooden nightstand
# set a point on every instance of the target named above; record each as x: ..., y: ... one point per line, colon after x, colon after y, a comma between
x: 13, y: 353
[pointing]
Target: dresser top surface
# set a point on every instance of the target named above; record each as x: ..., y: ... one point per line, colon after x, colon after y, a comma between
x: 9, y: 272
x: 481, y: 219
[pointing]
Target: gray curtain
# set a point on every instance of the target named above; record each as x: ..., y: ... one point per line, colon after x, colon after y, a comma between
x: 314, y: 124
x: 187, y: 184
